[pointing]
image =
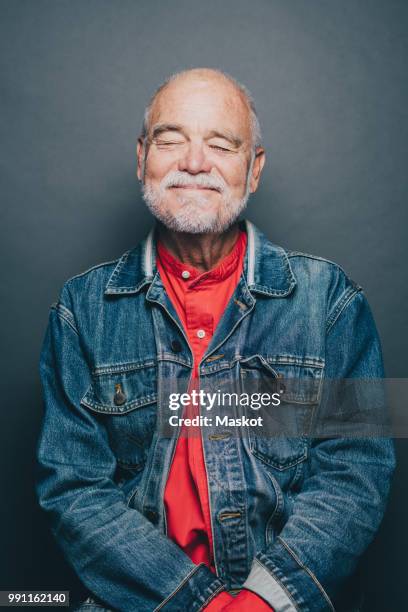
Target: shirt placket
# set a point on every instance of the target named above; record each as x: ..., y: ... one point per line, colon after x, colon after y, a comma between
x: 200, y: 329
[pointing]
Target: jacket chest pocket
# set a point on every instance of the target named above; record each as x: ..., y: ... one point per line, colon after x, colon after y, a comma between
x: 281, y: 441
x: 124, y: 396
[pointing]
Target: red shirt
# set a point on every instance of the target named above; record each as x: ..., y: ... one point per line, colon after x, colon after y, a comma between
x: 200, y: 299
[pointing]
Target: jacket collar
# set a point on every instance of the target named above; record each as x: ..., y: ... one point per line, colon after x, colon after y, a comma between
x: 266, y: 269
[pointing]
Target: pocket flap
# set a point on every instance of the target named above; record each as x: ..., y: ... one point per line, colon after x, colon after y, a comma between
x: 297, y: 380
x: 121, y: 388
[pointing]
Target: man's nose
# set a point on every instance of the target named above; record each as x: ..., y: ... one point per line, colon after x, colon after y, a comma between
x: 194, y: 160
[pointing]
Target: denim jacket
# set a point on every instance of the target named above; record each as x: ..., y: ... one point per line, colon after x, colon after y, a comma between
x: 291, y: 516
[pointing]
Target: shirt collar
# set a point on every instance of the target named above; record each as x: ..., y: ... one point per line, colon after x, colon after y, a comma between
x: 266, y: 266
x: 220, y: 272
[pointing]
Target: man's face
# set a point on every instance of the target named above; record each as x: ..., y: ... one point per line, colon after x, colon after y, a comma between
x: 197, y: 165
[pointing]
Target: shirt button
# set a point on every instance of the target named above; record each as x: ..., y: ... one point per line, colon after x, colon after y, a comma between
x: 201, y: 333
x: 185, y: 274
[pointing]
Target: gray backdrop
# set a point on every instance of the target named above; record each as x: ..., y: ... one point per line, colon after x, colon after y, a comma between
x: 329, y: 78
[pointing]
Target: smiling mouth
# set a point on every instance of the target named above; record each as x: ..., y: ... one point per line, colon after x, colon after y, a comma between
x: 194, y: 187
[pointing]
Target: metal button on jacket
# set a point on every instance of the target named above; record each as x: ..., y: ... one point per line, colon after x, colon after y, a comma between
x: 176, y: 346
x: 119, y: 398
x: 152, y: 516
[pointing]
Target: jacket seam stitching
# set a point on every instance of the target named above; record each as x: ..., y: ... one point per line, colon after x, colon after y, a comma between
x: 122, y: 368
x: 291, y: 254
x: 178, y: 588
x: 122, y: 289
x: 118, y: 268
x: 308, y: 571
x: 107, y: 408
x: 59, y: 309
x: 348, y: 295
x: 264, y: 289
x: 164, y: 357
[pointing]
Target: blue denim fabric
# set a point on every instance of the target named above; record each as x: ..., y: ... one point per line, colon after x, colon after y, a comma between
x: 290, y: 516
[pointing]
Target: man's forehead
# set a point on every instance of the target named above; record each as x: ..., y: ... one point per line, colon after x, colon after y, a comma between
x: 205, y: 100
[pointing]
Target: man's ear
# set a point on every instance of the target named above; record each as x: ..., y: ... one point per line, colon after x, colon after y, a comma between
x: 257, y: 168
x: 139, y: 155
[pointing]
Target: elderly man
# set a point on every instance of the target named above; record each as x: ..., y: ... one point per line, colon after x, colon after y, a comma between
x: 207, y: 517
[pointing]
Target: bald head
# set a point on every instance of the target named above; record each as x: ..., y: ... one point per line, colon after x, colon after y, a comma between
x: 211, y: 78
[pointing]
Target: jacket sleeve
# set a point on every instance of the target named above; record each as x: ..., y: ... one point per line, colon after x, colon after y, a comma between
x: 343, y: 497
x: 116, y: 552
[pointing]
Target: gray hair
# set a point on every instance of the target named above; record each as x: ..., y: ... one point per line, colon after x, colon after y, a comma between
x: 253, y: 115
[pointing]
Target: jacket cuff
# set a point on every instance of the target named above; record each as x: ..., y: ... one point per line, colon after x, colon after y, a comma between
x: 198, y: 588
x: 285, y: 583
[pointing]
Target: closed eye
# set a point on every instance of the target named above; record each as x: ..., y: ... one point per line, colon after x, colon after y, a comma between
x: 161, y: 143
x: 218, y: 148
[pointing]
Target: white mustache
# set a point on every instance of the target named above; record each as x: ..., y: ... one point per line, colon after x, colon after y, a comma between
x: 184, y: 179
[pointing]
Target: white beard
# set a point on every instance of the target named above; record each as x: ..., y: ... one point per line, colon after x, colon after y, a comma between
x: 193, y: 215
